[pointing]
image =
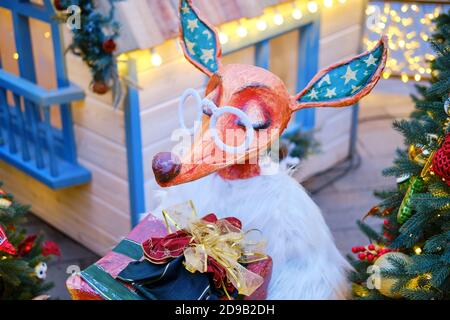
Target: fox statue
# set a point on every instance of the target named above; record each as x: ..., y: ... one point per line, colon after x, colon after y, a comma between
x: 243, y: 114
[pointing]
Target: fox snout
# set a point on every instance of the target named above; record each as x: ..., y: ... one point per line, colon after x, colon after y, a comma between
x: 166, y: 166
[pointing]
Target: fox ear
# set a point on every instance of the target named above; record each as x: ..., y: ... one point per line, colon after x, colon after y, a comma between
x: 199, y: 39
x: 346, y: 82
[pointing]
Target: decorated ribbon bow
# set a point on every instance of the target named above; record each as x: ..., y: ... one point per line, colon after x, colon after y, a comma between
x: 5, y: 245
x: 209, y: 245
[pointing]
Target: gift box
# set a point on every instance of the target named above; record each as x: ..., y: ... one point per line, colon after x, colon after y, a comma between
x: 105, y: 279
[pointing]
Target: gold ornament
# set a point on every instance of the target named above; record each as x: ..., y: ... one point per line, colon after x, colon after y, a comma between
x: 5, y: 203
x: 422, y: 282
x: 359, y: 290
x: 415, y: 154
x: 384, y: 284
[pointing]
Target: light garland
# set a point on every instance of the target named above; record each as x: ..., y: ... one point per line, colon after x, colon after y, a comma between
x: 408, y: 27
x: 272, y: 17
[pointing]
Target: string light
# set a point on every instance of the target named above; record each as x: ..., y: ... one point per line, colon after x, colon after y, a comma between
x: 328, y: 3
x: 261, y: 24
x: 417, y: 250
x: 16, y: 56
x: 312, y: 6
x: 404, y: 77
x: 278, y: 19
x: 47, y: 35
x: 297, y: 14
x: 241, y: 31
x: 370, y: 10
x: 155, y: 58
x: 405, y: 43
x: 223, y: 38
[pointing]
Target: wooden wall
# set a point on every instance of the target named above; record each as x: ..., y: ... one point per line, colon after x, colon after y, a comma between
x: 96, y: 214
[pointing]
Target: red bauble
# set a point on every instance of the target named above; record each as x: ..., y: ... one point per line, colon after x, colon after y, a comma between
x: 50, y: 248
x: 58, y: 5
x: 100, y: 87
x: 371, y: 246
x: 109, y: 46
x: 441, y: 161
x: 26, y: 245
x: 361, y: 256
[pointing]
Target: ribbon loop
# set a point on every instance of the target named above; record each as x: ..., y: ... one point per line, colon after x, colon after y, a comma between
x: 209, y: 245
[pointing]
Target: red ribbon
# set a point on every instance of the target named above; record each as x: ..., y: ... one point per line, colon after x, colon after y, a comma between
x: 5, y: 245
x: 162, y: 250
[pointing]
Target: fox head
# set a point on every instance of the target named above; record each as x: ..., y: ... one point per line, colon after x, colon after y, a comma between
x: 252, y: 103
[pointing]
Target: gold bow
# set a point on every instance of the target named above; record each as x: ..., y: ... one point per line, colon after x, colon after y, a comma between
x: 222, y: 241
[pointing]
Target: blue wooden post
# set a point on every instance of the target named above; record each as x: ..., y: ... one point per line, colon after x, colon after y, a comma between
x: 308, y: 61
x: 262, y: 54
x: 134, y: 149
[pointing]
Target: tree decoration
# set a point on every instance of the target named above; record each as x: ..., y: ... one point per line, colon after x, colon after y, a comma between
x: 41, y: 270
x: 370, y: 252
x: 50, y: 248
x: 405, y: 212
x: 441, y: 161
x: 95, y: 43
x: 23, y: 259
x: 59, y: 5
x: 385, y: 284
x: 5, y: 245
x: 420, y: 266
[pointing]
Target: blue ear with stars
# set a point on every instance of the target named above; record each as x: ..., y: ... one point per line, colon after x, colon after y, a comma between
x: 346, y: 82
x: 199, y: 39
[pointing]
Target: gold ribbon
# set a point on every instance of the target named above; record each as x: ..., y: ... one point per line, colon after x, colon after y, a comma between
x: 223, y: 242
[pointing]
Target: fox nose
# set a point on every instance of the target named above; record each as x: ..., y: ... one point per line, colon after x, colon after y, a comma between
x: 166, y: 166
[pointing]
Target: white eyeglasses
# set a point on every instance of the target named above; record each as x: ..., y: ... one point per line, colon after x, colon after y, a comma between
x: 215, y: 114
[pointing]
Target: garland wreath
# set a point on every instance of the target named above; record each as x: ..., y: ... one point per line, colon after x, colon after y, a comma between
x: 95, y: 42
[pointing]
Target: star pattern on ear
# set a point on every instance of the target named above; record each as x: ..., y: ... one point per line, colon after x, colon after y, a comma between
x: 199, y: 39
x: 345, y: 80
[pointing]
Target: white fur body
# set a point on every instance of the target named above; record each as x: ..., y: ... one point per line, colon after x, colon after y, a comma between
x: 306, y: 262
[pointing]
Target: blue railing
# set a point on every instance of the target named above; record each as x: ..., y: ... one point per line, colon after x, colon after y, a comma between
x: 29, y: 141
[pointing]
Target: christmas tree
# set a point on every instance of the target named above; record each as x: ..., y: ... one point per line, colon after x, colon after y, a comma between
x: 23, y: 259
x: 410, y: 257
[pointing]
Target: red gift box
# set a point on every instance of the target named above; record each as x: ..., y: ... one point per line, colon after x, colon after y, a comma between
x: 98, y: 282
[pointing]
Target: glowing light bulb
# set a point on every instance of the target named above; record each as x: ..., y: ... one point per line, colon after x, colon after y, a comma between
x: 422, y: 70
x: 328, y: 3
x: 278, y: 19
x: 414, y: 8
x: 417, y: 250
x: 312, y: 6
x: 156, y: 59
x: 297, y: 14
x: 16, y: 56
x: 261, y: 25
x: 47, y: 35
x: 417, y: 77
x: 386, y: 75
x: 223, y: 37
x: 401, y: 43
x: 404, y: 77
x: 405, y: 8
x: 370, y: 10
x: 242, y: 31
